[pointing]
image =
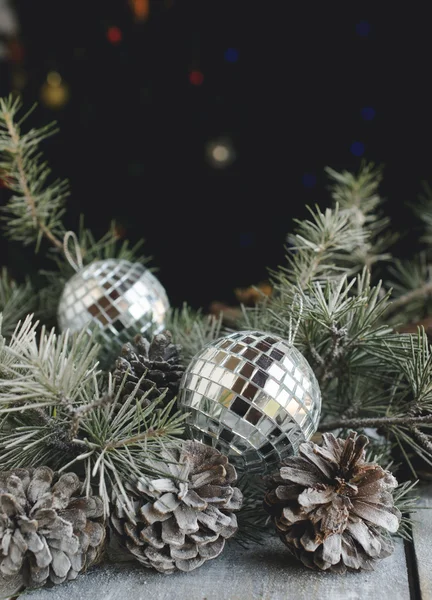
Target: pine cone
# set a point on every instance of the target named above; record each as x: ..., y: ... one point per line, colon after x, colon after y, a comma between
x: 46, y: 532
x: 181, y: 522
x: 158, y: 361
x: 332, y: 508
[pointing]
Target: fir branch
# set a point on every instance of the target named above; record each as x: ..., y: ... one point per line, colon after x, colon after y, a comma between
x: 253, y: 521
x: 319, y: 246
x: 423, y: 210
x: 36, y: 207
x: 16, y: 301
x: 192, y: 330
x: 357, y: 196
x: 409, y: 297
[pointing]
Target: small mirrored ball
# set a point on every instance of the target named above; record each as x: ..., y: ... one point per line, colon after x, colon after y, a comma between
x: 115, y: 297
x: 253, y: 396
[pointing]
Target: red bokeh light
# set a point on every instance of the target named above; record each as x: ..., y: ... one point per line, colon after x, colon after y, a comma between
x: 196, y: 77
x: 114, y: 35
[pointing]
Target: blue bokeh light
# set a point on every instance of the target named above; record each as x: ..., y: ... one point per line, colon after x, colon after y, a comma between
x: 309, y: 180
x: 357, y: 148
x: 368, y: 113
x: 363, y: 28
x: 231, y: 55
x: 246, y: 239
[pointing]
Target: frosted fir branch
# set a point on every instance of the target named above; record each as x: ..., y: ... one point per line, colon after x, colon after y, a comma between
x: 63, y: 414
x: 44, y: 370
x: 123, y: 441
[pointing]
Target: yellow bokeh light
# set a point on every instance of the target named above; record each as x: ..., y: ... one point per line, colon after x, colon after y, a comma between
x: 54, y: 79
x: 221, y: 153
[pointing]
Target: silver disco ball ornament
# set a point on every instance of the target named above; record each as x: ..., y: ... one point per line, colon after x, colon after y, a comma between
x: 117, y: 298
x: 253, y: 396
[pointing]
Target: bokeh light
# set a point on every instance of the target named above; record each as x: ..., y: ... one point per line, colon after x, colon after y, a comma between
x: 196, y: 78
x: 309, y: 180
x: 220, y: 153
x: 357, y: 148
x: 231, y: 55
x: 368, y: 113
x: 141, y: 9
x: 114, y: 35
x: 363, y: 28
x: 54, y: 78
x: 54, y: 92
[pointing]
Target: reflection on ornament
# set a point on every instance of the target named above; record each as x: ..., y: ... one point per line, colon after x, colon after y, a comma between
x: 253, y: 396
x: 117, y: 298
x: 220, y: 153
x: 54, y: 92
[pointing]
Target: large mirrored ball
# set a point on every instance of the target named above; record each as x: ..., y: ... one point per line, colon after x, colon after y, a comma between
x: 253, y: 396
x: 117, y: 298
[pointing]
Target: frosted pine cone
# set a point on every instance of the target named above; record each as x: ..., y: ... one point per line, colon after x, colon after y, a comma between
x: 158, y: 361
x: 46, y: 532
x: 332, y: 508
x: 180, y: 522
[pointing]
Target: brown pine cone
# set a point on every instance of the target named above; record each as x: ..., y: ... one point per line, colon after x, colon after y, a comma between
x: 47, y: 533
x: 333, y: 509
x: 180, y: 522
x: 158, y: 362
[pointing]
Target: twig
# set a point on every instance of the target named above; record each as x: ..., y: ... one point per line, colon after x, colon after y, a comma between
x: 422, y: 439
x: 374, y: 422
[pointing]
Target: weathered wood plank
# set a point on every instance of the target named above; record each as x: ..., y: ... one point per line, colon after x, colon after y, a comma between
x: 422, y: 540
x: 262, y: 572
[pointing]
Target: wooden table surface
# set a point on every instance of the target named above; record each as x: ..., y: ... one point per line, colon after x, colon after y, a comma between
x: 264, y: 573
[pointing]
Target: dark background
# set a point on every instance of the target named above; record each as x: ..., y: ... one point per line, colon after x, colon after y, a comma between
x: 135, y: 129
